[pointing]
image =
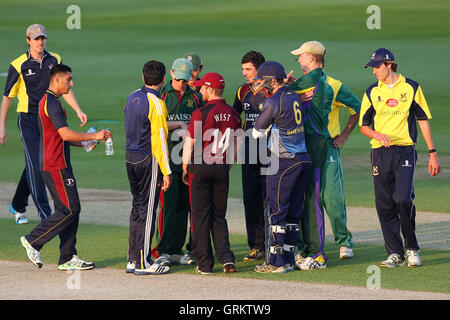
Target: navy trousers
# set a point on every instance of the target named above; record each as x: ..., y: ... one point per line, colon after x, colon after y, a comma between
x: 285, y: 197
x: 145, y: 179
x: 31, y: 182
x: 393, y: 172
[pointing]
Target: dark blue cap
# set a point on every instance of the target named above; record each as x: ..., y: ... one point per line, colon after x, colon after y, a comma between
x: 271, y: 69
x: 379, y: 56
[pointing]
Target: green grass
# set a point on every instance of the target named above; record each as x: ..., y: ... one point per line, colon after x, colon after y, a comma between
x: 107, y: 247
x: 117, y: 38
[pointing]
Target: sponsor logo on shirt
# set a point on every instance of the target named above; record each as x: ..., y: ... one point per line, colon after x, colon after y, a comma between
x: 29, y: 73
x: 392, y: 103
x: 403, y: 97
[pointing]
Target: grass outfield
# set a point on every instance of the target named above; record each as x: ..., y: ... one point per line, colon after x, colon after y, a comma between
x: 117, y: 38
x: 107, y: 247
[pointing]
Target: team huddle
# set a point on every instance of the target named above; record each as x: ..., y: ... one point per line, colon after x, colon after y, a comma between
x: 182, y: 139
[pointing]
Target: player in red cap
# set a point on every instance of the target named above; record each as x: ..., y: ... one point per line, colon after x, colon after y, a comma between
x: 208, y: 154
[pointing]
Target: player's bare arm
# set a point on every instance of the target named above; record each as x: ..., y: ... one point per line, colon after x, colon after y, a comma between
x: 342, y: 138
x: 187, y: 153
x: 434, y: 166
x: 76, y: 137
x: 72, y: 102
x: 6, y: 105
x: 383, y: 139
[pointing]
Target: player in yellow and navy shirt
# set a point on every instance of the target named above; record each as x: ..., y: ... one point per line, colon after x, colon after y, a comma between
x: 28, y: 78
x: 147, y: 162
x: 389, y: 110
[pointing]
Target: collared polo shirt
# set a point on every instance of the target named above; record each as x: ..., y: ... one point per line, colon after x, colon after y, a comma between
x: 179, y: 108
x: 28, y: 79
x: 316, y: 110
x: 54, y: 152
x: 250, y: 102
x: 342, y: 98
x: 394, y: 111
x: 146, y: 126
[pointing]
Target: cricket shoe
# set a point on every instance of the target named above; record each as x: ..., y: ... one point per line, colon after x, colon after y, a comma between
x: 19, y: 218
x: 229, y: 267
x: 345, y: 253
x: 413, y: 258
x: 394, y: 260
x: 32, y: 253
x: 131, y: 266
x: 189, y: 255
x: 197, y: 269
x: 316, y: 263
x: 298, y: 260
x: 268, y: 268
x: 76, y: 264
x: 254, y: 255
x: 154, y: 269
x: 163, y: 260
x: 178, y: 259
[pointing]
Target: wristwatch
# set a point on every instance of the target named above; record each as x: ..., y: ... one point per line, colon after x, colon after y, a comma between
x: 432, y: 150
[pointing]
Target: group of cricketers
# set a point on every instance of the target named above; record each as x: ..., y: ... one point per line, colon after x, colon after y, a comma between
x: 288, y: 144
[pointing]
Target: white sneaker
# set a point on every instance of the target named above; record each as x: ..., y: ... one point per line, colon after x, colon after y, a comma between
x: 298, y: 260
x: 163, y: 260
x: 19, y: 218
x: 309, y: 264
x: 131, y: 266
x: 154, y: 269
x: 178, y: 259
x: 413, y: 258
x: 32, y: 253
x: 76, y: 264
x: 394, y: 260
x: 345, y: 253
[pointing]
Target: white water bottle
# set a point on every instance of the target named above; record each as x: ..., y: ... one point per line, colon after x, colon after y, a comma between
x: 89, y: 145
x: 109, y: 150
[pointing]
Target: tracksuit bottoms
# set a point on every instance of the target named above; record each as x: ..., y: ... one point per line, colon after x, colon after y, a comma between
x: 208, y: 191
x: 64, y: 221
x: 145, y: 179
x: 393, y: 172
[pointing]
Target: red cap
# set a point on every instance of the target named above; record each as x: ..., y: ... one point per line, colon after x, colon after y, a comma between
x: 211, y: 79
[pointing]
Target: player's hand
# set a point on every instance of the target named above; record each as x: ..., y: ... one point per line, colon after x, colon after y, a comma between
x: 103, y: 135
x: 83, y: 117
x: 290, y: 79
x: 3, y: 136
x: 383, y: 139
x: 167, y: 180
x: 307, y: 96
x: 434, y: 166
x: 340, y: 140
x: 185, y: 178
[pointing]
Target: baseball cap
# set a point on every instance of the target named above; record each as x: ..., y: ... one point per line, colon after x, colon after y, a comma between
x: 379, y: 56
x: 36, y: 30
x: 211, y: 79
x: 182, y: 69
x: 194, y: 58
x: 313, y: 47
x: 271, y: 69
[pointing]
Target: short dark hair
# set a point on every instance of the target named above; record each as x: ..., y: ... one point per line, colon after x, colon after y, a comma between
x: 153, y: 72
x: 394, y: 66
x: 254, y: 57
x: 59, y: 68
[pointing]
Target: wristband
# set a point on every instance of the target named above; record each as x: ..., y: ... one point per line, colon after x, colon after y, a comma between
x: 432, y: 150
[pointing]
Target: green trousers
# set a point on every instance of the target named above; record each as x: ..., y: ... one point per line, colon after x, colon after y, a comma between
x: 324, y: 190
x: 172, y: 218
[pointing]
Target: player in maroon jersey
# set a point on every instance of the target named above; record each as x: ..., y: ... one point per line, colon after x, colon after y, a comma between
x: 208, y: 153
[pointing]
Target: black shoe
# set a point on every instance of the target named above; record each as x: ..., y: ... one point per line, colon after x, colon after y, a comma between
x: 255, y: 255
